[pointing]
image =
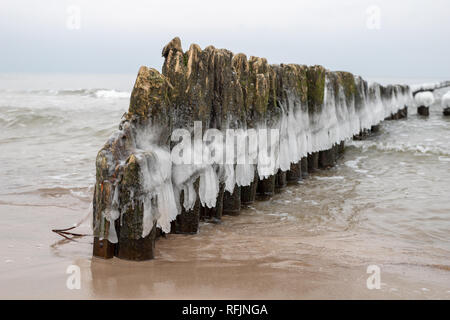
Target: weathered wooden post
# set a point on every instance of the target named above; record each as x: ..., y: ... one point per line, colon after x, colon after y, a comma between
x: 214, y: 215
x: 304, y: 167
x: 403, y: 113
x: 375, y: 128
x: 280, y: 180
x: 423, y: 110
x: 313, y: 162
x: 327, y: 158
x: 341, y: 148
x: 138, y: 192
x: 316, y: 89
x: 229, y: 113
x: 232, y: 202
x: 295, y: 173
x: 291, y: 92
x: 187, y: 78
x: 258, y: 83
x: 266, y: 187
x: 248, y: 104
x: 446, y: 111
x: 119, y: 191
x: 248, y: 193
x: 187, y: 222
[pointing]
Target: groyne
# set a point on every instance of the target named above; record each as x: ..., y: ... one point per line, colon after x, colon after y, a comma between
x: 213, y: 132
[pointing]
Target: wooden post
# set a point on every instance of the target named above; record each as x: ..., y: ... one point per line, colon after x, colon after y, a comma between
x: 423, y: 111
x: 214, y: 215
x: 313, y: 162
x: 341, y: 147
x: 232, y: 202
x: 326, y: 158
x: 266, y: 187
x: 248, y: 193
x: 138, y: 249
x: 280, y: 180
x: 188, y: 220
x: 103, y: 248
x: 295, y: 173
x: 223, y: 91
x: 304, y: 167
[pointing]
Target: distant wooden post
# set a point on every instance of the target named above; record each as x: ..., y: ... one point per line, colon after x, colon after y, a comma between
x: 423, y: 111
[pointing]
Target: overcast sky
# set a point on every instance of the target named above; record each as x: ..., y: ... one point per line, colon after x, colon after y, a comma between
x: 411, y: 38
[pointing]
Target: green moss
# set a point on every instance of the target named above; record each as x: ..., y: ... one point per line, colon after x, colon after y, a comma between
x: 302, y: 84
x: 131, y: 223
x: 274, y: 97
x: 150, y: 94
x: 347, y: 80
x: 316, y: 87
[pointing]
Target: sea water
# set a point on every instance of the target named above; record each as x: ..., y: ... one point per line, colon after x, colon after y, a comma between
x: 386, y: 202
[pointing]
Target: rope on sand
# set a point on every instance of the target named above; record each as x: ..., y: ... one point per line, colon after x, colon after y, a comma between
x: 65, y: 232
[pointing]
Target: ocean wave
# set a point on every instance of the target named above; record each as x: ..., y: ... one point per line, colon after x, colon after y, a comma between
x: 354, y: 164
x: 399, y: 147
x: 101, y: 93
x: 112, y: 94
x: 329, y: 178
x: 25, y: 119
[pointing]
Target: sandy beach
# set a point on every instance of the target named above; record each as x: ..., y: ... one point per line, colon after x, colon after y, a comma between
x: 209, y: 266
x: 286, y: 248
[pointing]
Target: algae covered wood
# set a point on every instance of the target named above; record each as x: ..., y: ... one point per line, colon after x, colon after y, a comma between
x: 142, y: 191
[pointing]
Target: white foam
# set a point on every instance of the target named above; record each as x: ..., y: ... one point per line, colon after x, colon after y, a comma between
x: 354, y: 163
x: 112, y: 94
x: 329, y: 178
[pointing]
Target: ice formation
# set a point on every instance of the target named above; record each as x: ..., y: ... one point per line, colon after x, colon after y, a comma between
x: 446, y: 100
x: 334, y: 110
x: 430, y: 86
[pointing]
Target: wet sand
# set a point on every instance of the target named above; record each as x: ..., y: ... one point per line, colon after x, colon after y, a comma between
x: 257, y: 255
x: 386, y: 203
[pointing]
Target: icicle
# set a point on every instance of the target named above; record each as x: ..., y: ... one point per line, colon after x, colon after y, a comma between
x: 229, y: 177
x: 284, y: 157
x: 189, y: 196
x: 297, y: 133
x: 209, y: 187
x: 167, y: 208
x: 148, y: 218
x: 245, y: 174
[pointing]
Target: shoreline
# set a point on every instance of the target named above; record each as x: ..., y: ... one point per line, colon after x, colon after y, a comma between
x: 195, y: 267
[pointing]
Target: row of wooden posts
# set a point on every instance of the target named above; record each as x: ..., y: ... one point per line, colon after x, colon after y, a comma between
x: 232, y: 203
